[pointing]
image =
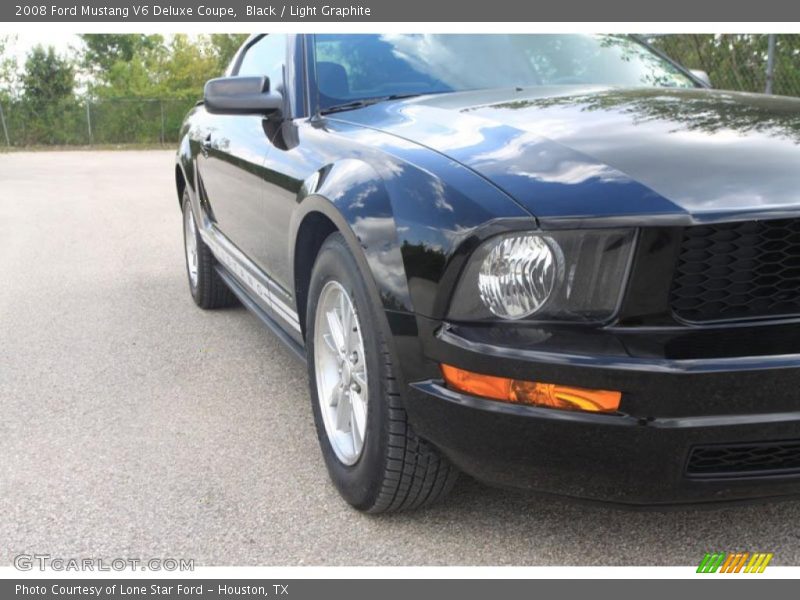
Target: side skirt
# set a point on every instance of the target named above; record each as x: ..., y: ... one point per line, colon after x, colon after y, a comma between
x: 298, y: 350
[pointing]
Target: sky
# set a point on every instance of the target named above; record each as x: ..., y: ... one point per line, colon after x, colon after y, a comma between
x: 63, y: 42
x: 60, y: 41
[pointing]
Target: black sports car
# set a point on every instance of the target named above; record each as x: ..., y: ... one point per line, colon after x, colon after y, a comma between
x: 557, y: 262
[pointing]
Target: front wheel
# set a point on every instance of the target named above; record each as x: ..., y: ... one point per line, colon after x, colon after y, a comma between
x: 376, y: 461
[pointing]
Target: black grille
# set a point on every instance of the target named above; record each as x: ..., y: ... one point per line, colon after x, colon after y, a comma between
x: 745, y: 459
x: 738, y: 271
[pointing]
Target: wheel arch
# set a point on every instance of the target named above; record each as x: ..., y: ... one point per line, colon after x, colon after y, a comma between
x: 312, y: 233
x: 180, y: 183
x: 184, y: 169
x: 349, y: 198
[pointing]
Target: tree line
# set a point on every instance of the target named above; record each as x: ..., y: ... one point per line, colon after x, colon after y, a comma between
x: 136, y: 88
x: 115, y: 88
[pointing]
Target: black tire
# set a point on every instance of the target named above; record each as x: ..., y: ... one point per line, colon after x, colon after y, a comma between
x: 396, y: 469
x: 209, y: 291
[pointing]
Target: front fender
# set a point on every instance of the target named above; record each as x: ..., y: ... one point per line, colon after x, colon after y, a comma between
x: 406, y: 227
x: 184, y: 157
x: 353, y: 196
x: 410, y: 213
x: 183, y: 163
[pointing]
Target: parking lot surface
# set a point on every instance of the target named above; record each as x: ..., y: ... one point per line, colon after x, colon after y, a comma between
x: 133, y: 424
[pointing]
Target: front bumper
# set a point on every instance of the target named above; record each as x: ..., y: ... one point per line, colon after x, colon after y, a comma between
x: 636, y: 457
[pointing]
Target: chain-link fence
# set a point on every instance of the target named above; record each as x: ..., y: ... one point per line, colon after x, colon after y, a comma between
x: 107, y: 121
x: 743, y: 62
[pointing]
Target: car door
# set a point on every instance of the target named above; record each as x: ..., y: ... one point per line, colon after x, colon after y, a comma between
x: 231, y: 162
x: 289, y: 161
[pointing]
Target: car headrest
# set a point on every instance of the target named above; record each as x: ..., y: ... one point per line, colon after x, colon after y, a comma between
x: 332, y: 80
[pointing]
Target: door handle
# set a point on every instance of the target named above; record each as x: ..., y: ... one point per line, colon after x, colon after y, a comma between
x: 205, y: 146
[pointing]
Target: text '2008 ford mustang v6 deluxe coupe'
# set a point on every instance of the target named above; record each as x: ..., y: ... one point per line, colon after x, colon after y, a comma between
x: 555, y: 262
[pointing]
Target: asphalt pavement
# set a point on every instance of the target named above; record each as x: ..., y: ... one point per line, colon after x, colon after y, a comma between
x: 133, y: 424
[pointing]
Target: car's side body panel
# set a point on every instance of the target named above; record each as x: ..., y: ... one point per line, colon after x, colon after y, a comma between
x: 231, y: 167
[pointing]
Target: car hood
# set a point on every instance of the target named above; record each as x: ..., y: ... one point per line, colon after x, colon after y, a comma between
x: 571, y: 153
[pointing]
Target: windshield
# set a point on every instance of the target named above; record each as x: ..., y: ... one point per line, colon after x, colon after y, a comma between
x: 353, y: 67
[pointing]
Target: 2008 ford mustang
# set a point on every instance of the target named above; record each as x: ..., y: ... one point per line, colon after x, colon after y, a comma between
x: 556, y: 262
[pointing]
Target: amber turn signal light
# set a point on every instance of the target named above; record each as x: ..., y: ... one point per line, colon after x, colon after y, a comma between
x: 533, y: 393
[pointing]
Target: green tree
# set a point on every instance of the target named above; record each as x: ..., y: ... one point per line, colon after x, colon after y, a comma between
x: 103, y: 50
x: 224, y: 47
x: 48, y: 102
x: 8, y: 69
x: 142, y: 87
x: 186, y: 68
x: 150, y: 67
x: 48, y: 79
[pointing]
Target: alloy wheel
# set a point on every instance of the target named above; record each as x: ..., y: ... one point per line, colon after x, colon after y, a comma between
x: 341, y: 372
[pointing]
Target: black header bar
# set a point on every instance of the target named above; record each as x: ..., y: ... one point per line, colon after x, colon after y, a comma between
x: 231, y: 11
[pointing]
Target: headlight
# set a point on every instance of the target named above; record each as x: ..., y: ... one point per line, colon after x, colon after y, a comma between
x: 518, y: 275
x: 555, y: 275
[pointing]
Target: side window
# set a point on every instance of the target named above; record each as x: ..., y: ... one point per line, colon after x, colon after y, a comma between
x: 266, y: 57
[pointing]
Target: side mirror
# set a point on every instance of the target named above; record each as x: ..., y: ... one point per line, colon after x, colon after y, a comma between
x: 241, y: 96
x: 702, y: 76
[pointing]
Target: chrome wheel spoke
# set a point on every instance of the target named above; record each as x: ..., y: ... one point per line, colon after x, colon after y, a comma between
x: 336, y: 330
x: 360, y: 377
x: 356, y: 436
x: 347, y: 320
x: 190, y: 236
x: 330, y: 343
x: 343, y: 409
x: 335, y: 395
x: 358, y: 417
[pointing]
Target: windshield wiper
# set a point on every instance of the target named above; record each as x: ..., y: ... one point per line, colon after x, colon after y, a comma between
x: 364, y: 102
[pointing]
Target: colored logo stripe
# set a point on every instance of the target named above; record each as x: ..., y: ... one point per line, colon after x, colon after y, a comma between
x: 711, y: 562
x: 758, y: 563
x: 734, y: 562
